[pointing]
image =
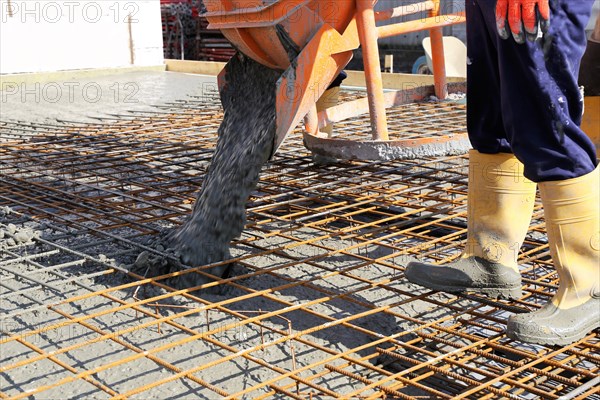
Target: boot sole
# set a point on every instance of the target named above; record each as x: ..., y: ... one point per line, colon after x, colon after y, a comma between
x: 513, y: 293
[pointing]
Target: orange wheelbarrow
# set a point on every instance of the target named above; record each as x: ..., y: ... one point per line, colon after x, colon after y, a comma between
x: 311, y: 41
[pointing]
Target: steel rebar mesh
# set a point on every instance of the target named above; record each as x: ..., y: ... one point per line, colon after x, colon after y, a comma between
x: 316, y: 306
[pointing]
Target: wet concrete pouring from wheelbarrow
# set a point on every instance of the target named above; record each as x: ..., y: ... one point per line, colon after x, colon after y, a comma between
x: 245, y: 143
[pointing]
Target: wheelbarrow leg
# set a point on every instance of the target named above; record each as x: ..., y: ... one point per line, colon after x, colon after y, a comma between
x: 367, y: 32
x: 437, y: 56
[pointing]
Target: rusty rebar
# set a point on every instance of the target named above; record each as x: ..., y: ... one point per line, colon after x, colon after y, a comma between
x: 116, y: 183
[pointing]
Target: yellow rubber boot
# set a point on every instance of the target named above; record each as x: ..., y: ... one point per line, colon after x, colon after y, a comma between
x: 571, y: 208
x: 499, y: 207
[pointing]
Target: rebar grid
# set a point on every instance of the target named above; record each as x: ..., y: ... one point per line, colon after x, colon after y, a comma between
x: 407, y: 122
x: 317, y: 305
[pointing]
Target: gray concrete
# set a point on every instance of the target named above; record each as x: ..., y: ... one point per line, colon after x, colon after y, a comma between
x: 78, y: 98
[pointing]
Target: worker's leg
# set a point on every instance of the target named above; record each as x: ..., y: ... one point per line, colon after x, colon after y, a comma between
x: 500, y: 199
x: 499, y: 207
x: 571, y: 209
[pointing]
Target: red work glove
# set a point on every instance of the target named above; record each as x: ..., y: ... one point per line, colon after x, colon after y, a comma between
x: 524, y: 17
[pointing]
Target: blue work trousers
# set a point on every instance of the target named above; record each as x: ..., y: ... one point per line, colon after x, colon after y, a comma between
x: 524, y: 98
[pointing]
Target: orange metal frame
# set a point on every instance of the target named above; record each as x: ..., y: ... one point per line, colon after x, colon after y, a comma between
x: 369, y: 33
x: 313, y: 40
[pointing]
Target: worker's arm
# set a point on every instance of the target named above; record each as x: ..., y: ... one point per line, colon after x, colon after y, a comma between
x: 524, y: 18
